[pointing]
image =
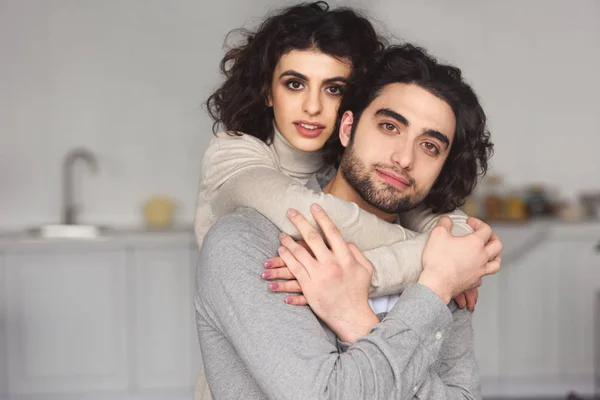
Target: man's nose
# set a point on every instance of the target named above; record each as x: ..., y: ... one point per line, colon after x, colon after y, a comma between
x: 404, y: 154
x: 312, y: 103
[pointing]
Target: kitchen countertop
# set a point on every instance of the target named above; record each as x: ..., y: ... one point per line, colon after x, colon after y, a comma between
x: 516, y: 236
x: 111, y: 237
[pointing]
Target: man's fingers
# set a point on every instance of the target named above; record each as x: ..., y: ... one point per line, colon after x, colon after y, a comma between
x: 300, y: 253
x: 330, y: 230
x: 274, y: 262
x: 299, y: 300
x: 493, y: 266
x: 493, y: 247
x: 285, y: 286
x: 461, y: 300
x: 311, y: 236
x: 360, y: 257
x: 480, y: 228
x: 294, y: 266
x: 277, y: 273
x: 445, y: 222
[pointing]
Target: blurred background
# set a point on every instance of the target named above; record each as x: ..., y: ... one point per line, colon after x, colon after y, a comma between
x: 102, y: 130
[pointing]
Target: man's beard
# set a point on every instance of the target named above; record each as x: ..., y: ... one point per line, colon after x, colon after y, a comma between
x: 382, y: 196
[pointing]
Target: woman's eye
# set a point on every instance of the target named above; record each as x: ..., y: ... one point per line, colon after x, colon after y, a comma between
x: 431, y: 147
x: 295, y: 85
x: 334, y: 90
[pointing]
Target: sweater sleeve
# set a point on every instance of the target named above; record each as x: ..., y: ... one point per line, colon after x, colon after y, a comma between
x: 295, y: 359
x: 242, y: 172
x: 405, y: 257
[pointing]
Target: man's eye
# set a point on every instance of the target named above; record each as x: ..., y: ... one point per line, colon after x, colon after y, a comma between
x: 389, y: 127
x: 295, y: 85
x: 432, y: 148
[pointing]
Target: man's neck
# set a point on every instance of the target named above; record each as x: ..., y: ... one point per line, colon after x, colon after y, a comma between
x: 340, y: 188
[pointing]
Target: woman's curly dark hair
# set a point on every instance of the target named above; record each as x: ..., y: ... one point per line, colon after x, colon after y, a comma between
x: 472, y: 147
x: 239, y: 106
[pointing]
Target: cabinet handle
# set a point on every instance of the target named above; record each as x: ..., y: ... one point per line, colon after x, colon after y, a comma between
x: 598, y: 247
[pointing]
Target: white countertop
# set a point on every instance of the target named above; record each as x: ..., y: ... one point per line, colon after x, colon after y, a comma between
x: 112, y: 237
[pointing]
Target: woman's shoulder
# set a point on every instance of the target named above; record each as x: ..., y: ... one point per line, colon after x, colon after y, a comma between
x: 234, y: 144
x: 237, y: 139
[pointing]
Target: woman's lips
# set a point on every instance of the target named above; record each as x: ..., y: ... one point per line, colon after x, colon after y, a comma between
x: 309, y: 130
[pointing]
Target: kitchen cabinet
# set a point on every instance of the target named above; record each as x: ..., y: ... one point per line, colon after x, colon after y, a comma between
x: 542, y: 343
x: 107, y: 319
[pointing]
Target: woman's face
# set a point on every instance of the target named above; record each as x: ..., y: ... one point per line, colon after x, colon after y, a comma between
x: 305, y: 95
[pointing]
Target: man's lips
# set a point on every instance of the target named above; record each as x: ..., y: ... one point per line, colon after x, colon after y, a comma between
x: 393, y: 179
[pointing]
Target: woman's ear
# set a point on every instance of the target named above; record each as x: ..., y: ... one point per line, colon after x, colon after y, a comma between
x: 346, y: 128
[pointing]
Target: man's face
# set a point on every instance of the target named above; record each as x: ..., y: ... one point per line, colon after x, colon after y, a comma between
x: 398, y: 147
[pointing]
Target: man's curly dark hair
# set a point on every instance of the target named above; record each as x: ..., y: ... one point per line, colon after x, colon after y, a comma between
x: 239, y: 106
x: 472, y: 147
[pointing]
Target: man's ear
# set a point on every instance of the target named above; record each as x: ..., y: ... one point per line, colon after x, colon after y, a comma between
x: 346, y: 128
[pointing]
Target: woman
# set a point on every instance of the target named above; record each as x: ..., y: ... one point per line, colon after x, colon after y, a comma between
x: 278, y: 108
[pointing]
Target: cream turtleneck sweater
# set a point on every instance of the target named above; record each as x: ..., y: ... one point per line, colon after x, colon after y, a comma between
x: 243, y: 171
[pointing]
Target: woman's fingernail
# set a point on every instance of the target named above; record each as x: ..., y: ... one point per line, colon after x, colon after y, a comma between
x: 268, y: 264
x: 282, y: 249
x: 266, y: 274
x: 315, y: 207
x: 273, y: 286
x: 288, y: 300
x: 282, y: 236
x: 291, y: 212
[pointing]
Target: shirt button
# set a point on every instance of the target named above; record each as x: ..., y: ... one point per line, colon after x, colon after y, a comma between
x: 438, y: 335
x: 415, y: 389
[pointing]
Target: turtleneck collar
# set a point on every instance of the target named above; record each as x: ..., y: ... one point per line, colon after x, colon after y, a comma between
x: 296, y: 163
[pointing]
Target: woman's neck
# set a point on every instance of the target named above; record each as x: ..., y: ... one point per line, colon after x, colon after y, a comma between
x: 296, y: 163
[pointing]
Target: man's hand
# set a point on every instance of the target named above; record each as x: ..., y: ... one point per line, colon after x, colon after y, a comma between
x: 453, y: 265
x: 335, y: 280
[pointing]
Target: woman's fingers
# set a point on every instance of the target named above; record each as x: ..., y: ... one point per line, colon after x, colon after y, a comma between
x: 274, y: 262
x: 277, y: 273
x: 285, y: 286
x: 299, y: 300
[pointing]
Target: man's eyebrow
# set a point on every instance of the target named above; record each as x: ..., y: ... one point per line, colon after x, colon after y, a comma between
x: 437, y: 135
x: 428, y: 132
x: 295, y: 74
x: 393, y: 114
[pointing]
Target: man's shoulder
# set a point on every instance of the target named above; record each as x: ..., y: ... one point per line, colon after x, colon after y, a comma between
x: 244, y: 235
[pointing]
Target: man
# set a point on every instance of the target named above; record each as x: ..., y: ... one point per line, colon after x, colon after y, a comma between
x: 414, y: 120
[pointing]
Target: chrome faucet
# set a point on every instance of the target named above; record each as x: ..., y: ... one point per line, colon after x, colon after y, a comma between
x: 69, y: 211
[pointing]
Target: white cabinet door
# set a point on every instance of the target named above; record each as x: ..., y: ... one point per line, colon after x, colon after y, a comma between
x: 486, y: 329
x: 67, y: 321
x: 578, y: 290
x: 164, y: 318
x: 3, y: 330
x: 529, y: 298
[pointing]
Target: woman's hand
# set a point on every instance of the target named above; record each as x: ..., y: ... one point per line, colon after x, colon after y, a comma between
x: 275, y: 269
x: 335, y: 279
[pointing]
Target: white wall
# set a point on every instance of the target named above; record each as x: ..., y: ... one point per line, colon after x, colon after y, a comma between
x: 127, y: 79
